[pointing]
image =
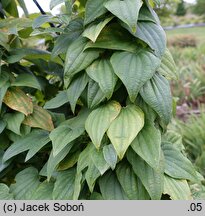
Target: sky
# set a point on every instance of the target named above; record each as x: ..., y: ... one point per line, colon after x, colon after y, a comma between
x: 45, y: 5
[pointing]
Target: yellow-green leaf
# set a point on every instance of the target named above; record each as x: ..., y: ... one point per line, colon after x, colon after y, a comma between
x: 125, y: 128
x: 176, y: 189
x: 99, y: 121
x: 93, y: 31
x: 16, y: 99
x: 40, y: 118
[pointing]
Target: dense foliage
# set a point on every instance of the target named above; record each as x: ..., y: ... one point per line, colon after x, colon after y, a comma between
x: 199, y: 8
x: 85, y: 115
x: 181, y: 10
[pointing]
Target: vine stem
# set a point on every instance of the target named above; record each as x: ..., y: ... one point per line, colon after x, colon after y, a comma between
x: 42, y: 11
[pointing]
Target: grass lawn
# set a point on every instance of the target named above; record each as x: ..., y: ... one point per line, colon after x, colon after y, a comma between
x: 198, y: 32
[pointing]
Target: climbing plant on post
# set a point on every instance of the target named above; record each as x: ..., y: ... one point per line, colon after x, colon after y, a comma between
x: 103, y: 136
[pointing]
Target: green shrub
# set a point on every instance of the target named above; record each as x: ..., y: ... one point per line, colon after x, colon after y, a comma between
x: 102, y: 81
x: 181, y: 10
x: 183, y: 41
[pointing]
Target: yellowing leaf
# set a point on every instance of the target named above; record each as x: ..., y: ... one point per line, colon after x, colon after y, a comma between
x: 177, y: 189
x: 93, y: 31
x: 125, y: 128
x: 16, y: 99
x: 40, y: 118
x: 99, y: 121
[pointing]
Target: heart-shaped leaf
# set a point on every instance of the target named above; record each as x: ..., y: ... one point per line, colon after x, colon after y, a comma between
x: 102, y: 72
x: 99, y: 121
x: 125, y: 128
x: 157, y: 94
x: 134, y: 69
x: 127, y: 11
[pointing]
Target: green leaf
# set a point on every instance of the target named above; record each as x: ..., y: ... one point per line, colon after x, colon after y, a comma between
x: 26, y: 80
x: 93, y: 10
x: 85, y: 157
x: 177, y: 189
x: 110, y: 155
x: 77, y: 185
x: 130, y: 183
x: 53, y: 161
x: 69, y: 161
x: 94, y: 95
x: 26, y: 183
x: 60, y: 99
x: 3, y: 90
x: 157, y: 94
x: 91, y: 175
x: 96, y: 196
x: 33, y: 142
x: 4, y: 40
x: 99, y: 161
x: 153, y: 180
x: 99, y: 121
x: 175, y: 138
x: 3, y: 165
x: 102, y: 72
x: 83, y: 162
x: 12, y: 22
x: 44, y: 191
x: 16, y: 99
x: 23, y: 6
x: 40, y: 118
x: 2, y: 125
x: 134, y: 69
x: 168, y: 67
x: 77, y: 59
x: 28, y: 54
x: 68, y: 131
x: 75, y: 89
x: 14, y: 121
x: 64, y: 185
x: 64, y: 135
x: 40, y: 20
x: 4, y: 192
x: 115, y: 38
x: 147, y: 14
x: 92, y: 31
x: 127, y: 11
x: 72, y: 32
x: 176, y: 164
x: 125, y: 128
x: 54, y: 3
x: 111, y: 188
x: 147, y: 145
x: 152, y: 34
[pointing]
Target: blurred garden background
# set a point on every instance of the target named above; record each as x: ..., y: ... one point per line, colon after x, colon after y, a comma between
x: 184, y: 23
